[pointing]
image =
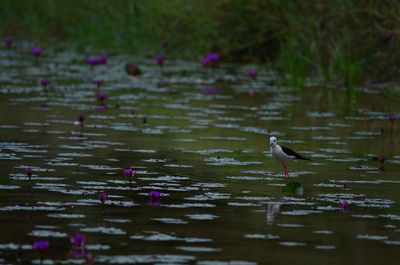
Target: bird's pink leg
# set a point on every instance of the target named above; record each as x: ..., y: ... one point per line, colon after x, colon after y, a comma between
x: 286, y: 173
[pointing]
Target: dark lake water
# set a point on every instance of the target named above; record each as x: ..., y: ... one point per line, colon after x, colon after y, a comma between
x: 204, y: 146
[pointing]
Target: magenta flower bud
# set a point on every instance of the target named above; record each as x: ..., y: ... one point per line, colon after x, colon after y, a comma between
x: 78, y: 240
x: 214, y: 57
x: 206, y: 61
x: 45, y: 82
x: 160, y: 60
x: 36, y: 52
x: 103, y: 197
x: 29, y: 172
x: 91, y: 61
x: 154, y: 195
x: 382, y: 158
x: 8, y: 42
x: 345, y: 207
x: 102, y: 96
x: 41, y: 246
x: 81, y: 117
x: 392, y: 118
x: 253, y: 74
x: 128, y: 173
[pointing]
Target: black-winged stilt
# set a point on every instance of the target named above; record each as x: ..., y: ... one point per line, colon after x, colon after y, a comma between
x: 283, y: 154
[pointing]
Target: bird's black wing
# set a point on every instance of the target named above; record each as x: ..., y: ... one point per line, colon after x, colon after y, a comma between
x: 290, y: 152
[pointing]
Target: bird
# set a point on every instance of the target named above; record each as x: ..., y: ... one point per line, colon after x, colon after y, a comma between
x: 283, y: 154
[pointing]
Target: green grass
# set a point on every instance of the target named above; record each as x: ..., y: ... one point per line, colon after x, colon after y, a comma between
x: 342, y: 41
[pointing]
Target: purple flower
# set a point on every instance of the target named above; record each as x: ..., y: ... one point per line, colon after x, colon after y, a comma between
x: 98, y: 83
x: 8, y: 42
x: 132, y: 69
x: 36, y: 51
x: 78, y: 240
x: 81, y: 117
x: 392, y: 118
x: 91, y: 61
x: 45, y: 82
x: 253, y: 74
x: 97, y: 61
x: 29, y: 172
x: 160, y: 59
x: 210, y: 90
x: 103, y: 197
x: 155, y: 197
x: 41, y: 246
x: 206, y: 61
x: 102, y: 97
x: 129, y: 173
x: 214, y: 57
x: 382, y: 158
x: 345, y: 207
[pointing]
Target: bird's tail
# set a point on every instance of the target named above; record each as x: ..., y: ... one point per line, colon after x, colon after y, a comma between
x: 304, y: 158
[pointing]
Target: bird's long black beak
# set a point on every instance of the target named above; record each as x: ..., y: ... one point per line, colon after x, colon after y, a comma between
x: 270, y: 146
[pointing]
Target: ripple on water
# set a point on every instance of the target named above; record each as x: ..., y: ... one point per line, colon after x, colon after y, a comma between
x: 371, y: 237
x: 292, y: 244
x: 261, y: 236
x: 201, y: 216
x: 104, y: 230
x: 47, y: 233
x: 197, y: 249
x: 170, y: 220
x: 147, y: 259
x: 232, y: 262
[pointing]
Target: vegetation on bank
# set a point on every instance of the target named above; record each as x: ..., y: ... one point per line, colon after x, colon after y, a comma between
x: 344, y: 41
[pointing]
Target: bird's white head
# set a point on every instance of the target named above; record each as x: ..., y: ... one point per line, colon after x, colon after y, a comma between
x: 272, y: 141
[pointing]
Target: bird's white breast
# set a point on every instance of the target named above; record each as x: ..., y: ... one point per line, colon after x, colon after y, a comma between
x: 279, y: 155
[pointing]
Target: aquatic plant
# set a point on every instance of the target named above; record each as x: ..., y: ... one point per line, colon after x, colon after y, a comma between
x: 96, y: 61
x: 392, y: 118
x: 101, y: 98
x: 253, y: 74
x: 345, y: 207
x: 155, y: 198
x: 81, y: 118
x: 160, y: 60
x: 132, y: 69
x: 129, y: 174
x: 45, y: 83
x: 36, y: 52
x: 8, y: 42
x: 29, y: 173
x: 41, y: 247
x: 103, y: 197
x: 78, y: 240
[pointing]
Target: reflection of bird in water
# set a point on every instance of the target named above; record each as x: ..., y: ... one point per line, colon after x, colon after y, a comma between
x: 283, y: 154
x: 273, y: 208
